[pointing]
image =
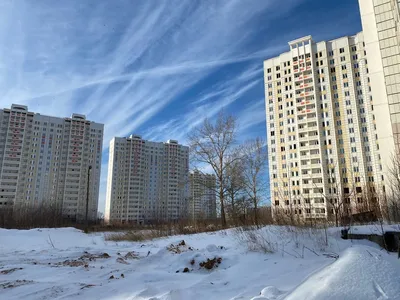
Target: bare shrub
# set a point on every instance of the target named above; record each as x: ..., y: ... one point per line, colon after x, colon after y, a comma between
x: 310, y: 238
x: 257, y: 240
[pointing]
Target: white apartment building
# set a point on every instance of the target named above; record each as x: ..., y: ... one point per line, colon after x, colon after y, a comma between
x: 381, y: 25
x: 202, y: 199
x: 147, y: 181
x: 321, y: 127
x: 44, y: 160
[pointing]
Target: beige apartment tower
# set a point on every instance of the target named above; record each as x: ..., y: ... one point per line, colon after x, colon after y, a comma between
x: 45, y: 161
x: 202, y: 199
x: 381, y: 25
x: 321, y: 128
x: 147, y: 181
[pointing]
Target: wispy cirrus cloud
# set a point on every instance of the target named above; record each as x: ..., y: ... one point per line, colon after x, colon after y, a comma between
x: 137, y: 66
x: 207, y: 105
x: 252, y: 115
x: 128, y: 57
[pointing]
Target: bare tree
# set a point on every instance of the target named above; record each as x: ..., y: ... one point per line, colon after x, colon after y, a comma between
x: 235, y: 185
x: 212, y: 144
x: 390, y: 203
x: 254, y: 159
x: 333, y: 195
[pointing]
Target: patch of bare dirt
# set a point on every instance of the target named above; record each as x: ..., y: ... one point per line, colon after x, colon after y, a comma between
x: 179, y: 248
x: 5, y: 272
x: 72, y: 263
x: 87, y: 286
x: 210, y: 264
x: 131, y: 255
x: 15, y: 283
x: 90, y: 256
x: 122, y: 261
x: 83, y: 261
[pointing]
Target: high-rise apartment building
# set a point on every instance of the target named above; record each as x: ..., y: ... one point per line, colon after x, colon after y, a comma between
x: 321, y: 128
x: 202, y: 199
x: 381, y: 25
x: 45, y: 161
x: 147, y: 181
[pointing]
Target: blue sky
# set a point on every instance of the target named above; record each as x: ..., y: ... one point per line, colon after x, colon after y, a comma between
x: 154, y: 67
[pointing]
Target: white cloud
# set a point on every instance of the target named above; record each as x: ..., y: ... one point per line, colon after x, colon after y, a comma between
x: 252, y: 115
x: 123, y: 62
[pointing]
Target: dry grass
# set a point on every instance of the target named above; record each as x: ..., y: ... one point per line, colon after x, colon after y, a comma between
x: 257, y: 240
x: 134, y: 236
x: 137, y: 233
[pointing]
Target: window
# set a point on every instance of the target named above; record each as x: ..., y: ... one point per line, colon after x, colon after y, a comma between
x: 341, y: 50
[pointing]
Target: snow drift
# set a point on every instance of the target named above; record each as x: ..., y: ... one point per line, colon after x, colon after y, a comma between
x: 360, y: 273
x: 65, y: 263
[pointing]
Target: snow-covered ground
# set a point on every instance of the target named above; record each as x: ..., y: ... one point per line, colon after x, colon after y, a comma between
x: 68, y: 264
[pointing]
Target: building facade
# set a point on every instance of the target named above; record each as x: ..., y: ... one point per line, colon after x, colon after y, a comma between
x: 381, y: 25
x: 147, y: 181
x: 202, y: 199
x: 45, y: 161
x: 321, y: 128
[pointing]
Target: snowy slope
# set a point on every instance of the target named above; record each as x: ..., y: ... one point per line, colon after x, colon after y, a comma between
x: 68, y: 264
x: 360, y: 273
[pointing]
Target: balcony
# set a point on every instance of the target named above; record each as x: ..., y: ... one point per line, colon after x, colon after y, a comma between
x: 303, y: 138
x: 313, y: 144
x: 307, y: 185
x: 315, y: 166
x: 299, y: 78
x: 312, y: 119
x: 312, y: 156
x: 304, y: 129
x: 303, y: 103
x: 310, y: 111
x: 302, y: 120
